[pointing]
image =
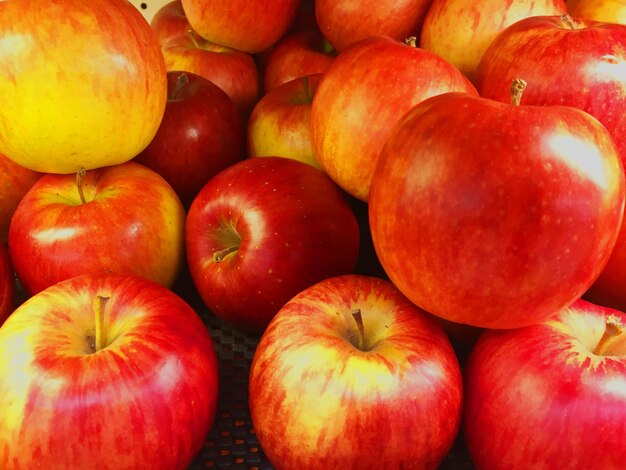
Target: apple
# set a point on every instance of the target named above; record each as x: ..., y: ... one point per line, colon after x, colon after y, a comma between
x: 15, y: 181
x: 350, y: 374
x: 261, y: 231
x: 492, y: 214
x: 587, y: 67
x: 296, y: 55
x: 199, y: 136
x: 460, y: 31
x: 550, y: 395
x: 241, y: 24
x: 7, y: 284
x: 344, y: 22
x: 170, y: 21
x: 124, y: 219
x: 609, y: 11
x: 364, y: 92
x: 83, y: 84
x: 105, y: 371
x: 233, y: 71
x: 280, y: 122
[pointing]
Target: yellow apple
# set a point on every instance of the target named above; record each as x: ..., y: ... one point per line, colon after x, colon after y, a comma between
x: 609, y: 11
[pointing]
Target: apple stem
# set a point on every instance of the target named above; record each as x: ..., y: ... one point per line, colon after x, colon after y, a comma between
x: 80, y: 176
x: 181, y: 82
x: 99, y: 305
x: 613, y: 329
x: 358, y: 318
x: 517, y: 90
x: 567, y: 21
x: 411, y: 41
x: 219, y: 255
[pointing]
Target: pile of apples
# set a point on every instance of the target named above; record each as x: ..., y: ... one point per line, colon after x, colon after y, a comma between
x: 364, y: 185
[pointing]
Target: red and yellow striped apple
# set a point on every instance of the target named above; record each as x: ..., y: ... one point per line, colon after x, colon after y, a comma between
x: 123, y: 219
x: 105, y: 371
x: 83, y: 84
x: 350, y: 374
x: 550, y: 395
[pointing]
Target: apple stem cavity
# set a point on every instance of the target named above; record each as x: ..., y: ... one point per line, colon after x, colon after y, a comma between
x: 219, y: 255
x: 181, y: 83
x: 411, y: 41
x: 358, y: 319
x: 101, y: 334
x: 567, y: 21
x: 612, y: 330
x: 517, y: 90
x: 80, y: 176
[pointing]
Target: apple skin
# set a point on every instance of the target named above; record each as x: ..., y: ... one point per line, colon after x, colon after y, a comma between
x: 363, y: 93
x: 587, y: 67
x: 460, y: 31
x: 147, y: 399
x: 170, y: 22
x: 297, y: 55
x: 289, y: 226
x: 241, y: 24
x: 609, y: 11
x: 15, y: 181
x: 233, y: 71
x: 344, y: 22
x: 280, y: 122
x: 538, y: 397
x: 7, y: 284
x: 504, y: 223
x: 318, y: 400
x: 199, y: 136
x: 131, y: 223
x: 92, y: 85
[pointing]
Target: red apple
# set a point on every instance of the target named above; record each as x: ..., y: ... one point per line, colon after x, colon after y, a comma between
x: 261, y: 231
x: 199, y: 136
x: 296, y: 55
x: 170, y: 21
x: 609, y: 11
x: 344, y: 22
x: 587, y: 67
x: 350, y: 374
x: 493, y: 214
x: 7, y: 284
x: 105, y: 371
x: 241, y: 24
x: 123, y: 219
x: 82, y: 83
x: 15, y: 181
x: 460, y: 31
x: 364, y: 92
x: 280, y: 122
x: 550, y: 395
x: 233, y: 71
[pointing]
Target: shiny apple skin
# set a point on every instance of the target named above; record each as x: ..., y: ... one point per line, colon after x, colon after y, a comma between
x: 170, y: 21
x: 233, y: 71
x: 295, y: 228
x: 537, y: 397
x: 297, y: 55
x: 244, y: 25
x: 279, y: 124
x: 460, y: 31
x: 317, y: 401
x: 132, y: 223
x: 364, y: 92
x: 495, y: 215
x: 146, y: 400
x: 609, y: 11
x: 199, y: 136
x: 587, y: 68
x: 344, y: 22
x: 7, y: 284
